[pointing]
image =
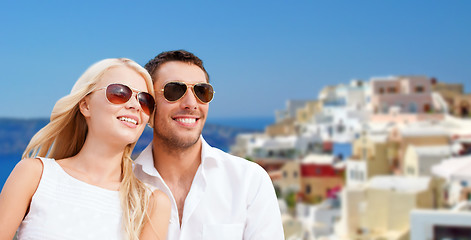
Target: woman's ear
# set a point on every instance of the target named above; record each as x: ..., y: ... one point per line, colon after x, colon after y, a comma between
x: 84, y: 107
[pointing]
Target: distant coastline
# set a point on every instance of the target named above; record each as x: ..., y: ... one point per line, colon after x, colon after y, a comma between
x: 15, y: 134
x: 253, y: 123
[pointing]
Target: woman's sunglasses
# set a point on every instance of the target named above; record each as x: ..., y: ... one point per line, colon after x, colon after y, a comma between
x: 174, y: 91
x: 118, y: 94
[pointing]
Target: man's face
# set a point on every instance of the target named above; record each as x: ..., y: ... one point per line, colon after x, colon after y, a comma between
x: 179, y: 124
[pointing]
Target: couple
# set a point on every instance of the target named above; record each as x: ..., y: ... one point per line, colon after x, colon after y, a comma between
x: 178, y: 188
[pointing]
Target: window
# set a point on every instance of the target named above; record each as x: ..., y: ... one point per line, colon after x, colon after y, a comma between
x: 428, y: 108
x: 340, y: 127
x: 412, y: 107
x: 381, y: 90
x: 419, y: 89
x: 318, y: 171
x: 392, y: 90
x: 451, y: 232
x: 295, y: 174
x: 285, y: 174
x: 384, y: 108
x: 310, y: 147
x: 308, y: 189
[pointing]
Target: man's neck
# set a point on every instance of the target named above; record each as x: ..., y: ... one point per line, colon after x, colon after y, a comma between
x: 175, y: 164
x: 178, y: 168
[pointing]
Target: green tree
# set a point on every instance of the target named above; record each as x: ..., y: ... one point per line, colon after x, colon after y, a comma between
x: 290, y: 199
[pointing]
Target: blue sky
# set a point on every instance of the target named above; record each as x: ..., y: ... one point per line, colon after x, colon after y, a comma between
x: 258, y: 53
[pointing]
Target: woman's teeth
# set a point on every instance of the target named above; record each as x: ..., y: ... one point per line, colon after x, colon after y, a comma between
x: 127, y: 120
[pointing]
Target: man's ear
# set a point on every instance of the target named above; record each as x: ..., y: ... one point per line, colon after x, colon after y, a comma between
x: 84, y: 107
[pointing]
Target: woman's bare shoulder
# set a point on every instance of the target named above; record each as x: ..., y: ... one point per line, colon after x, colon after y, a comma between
x: 30, y: 168
x: 159, y: 199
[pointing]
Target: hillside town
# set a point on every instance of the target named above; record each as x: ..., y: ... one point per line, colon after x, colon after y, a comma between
x: 388, y: 158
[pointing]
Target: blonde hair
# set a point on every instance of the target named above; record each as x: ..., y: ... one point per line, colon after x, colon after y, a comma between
x: 66, y: 132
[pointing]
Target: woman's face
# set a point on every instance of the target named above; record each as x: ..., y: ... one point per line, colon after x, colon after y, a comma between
x: 117, y: 124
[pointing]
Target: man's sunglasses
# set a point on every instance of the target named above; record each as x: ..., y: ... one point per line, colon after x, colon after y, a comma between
x: 174, y: 91
x: 117, y: 93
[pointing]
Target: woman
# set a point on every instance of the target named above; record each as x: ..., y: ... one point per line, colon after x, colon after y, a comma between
x: 89, y: 191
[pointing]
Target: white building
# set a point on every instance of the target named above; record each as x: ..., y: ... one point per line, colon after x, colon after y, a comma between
x: 356, y: 172
x: 344, y: 109
x: 441, y: 224
x: 246, y: 143
x: 457, y: 173
x: 319, y: 220
x: 292, y: 106
x: 285, y: 147
x: 454, y: 169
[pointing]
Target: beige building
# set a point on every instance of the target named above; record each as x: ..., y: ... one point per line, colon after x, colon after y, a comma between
x: 418, y: 161
x: 456, y: 88
x: 459, y: 104
x: 289, y: 177
x: 285, y: 127
x: 305, y: 114
x: 380, y: 209
x: 376, y: 151
x: 419, y: 135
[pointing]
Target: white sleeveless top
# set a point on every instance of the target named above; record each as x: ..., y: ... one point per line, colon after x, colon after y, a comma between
x: 64, y: 207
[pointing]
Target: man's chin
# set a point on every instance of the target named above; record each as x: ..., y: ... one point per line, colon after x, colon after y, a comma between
x: 177, y: 142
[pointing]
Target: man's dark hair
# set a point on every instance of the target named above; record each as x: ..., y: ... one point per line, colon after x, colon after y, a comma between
x: 178, y: 55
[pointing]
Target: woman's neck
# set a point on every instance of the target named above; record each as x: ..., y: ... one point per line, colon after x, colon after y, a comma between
x: 101, y: 162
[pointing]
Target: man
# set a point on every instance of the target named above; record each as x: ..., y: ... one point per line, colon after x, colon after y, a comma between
x: 214, y: 195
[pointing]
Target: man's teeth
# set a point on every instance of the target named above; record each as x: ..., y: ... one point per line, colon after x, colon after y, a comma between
x: 186, y: 120
x: 128, y: 120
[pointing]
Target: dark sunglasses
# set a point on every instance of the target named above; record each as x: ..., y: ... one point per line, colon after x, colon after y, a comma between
x: 174, y: 91
x: 117, y: 93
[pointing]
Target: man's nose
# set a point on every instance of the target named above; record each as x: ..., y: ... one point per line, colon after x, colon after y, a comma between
x: 189, y: 100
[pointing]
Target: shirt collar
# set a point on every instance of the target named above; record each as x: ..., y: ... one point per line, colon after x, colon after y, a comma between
x: 146, y: 160
x: 208, y: 155
x: 208, y: 159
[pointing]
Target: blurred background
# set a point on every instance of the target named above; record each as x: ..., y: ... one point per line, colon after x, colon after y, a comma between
x: 266, y: 60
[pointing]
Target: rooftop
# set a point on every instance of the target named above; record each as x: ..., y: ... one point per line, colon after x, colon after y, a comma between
x: 323, y: 159
x: 440, y: 150
x: 400, y: 183
x: 456, y: 168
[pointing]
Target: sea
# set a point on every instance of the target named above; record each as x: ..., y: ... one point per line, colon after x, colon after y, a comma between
x: 8, y: 161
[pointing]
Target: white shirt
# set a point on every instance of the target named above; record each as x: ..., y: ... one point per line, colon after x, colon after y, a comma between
x: 229, y: 198
x: 64, y: 207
